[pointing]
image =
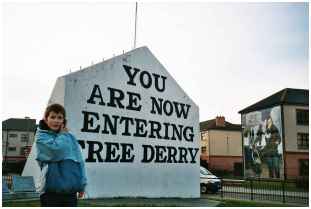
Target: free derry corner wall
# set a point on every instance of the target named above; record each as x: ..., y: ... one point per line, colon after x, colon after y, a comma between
x: 138, y: 130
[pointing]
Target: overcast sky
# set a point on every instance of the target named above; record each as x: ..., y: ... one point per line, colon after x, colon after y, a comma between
x: 226, y: 56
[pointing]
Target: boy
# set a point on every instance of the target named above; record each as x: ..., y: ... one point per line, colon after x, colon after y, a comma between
x: 60, y: 159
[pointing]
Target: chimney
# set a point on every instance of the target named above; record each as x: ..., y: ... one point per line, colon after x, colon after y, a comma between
x: 220, y: 121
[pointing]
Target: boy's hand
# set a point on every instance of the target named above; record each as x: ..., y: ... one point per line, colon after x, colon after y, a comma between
x: 80, y: 194
x: 64, y: 129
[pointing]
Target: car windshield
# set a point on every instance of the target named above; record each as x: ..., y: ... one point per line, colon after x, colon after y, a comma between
x: 205, y: 172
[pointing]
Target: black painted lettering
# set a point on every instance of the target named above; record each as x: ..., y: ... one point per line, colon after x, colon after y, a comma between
x: 96, y: 94
x: 134, y: 99
x: 166, y: 128
x: 182, y: 155
x: 112, y: 126
x: 148, y: 151
x: 188, y: 136
x: 131, y: 73
x: 88, y: 122
x: 157, y: 86
x: 168, y: 108
x: 177, y: 132
x: 159, y: 154
x: 193, y: 152
x: 181, y: 109
x: 116, y: 96
x: 82, y: 144
x: 172, y: 152
x: 155, y: 128
x: 145, y: 79
x: 127, y: 156
x: 157, y: 105
x: 140, y: 127
x: 126, y: 125
x: 92, y: 151
x: 111, y: 153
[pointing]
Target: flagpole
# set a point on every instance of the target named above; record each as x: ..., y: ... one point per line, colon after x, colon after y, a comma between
x: 135, y: 26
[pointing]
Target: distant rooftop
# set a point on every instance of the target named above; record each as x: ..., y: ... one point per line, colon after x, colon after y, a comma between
x: 19, y: 124
x: 286, y: 96
x: 211, y: 125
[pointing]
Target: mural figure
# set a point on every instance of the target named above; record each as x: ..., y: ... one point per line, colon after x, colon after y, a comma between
x: 263, y: 143
x: 270, y: 152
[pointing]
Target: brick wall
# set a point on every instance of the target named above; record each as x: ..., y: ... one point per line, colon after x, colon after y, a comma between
x: 224, y: 162
x: 292, y: 163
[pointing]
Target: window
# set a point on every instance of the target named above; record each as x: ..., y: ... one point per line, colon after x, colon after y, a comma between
x: 11, y: 148
x: 204, y: 136
x: 12, y: 135
x: 303, y: 167
x: 302, y: 117
x: 203, y: 150
x: 24, y: 137
x: 303, y: 140
x: 23, y: 151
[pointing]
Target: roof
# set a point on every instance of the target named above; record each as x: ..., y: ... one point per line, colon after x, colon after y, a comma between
x: 211, y: 125
x: 19, y: 124
x: 286, y: 96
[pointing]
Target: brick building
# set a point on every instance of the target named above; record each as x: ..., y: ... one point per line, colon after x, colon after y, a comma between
x: 17, y: 139
x: 221, y: 145
x: 284, y: 152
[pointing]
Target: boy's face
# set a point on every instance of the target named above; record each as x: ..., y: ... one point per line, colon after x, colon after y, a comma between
x: 54, y: 120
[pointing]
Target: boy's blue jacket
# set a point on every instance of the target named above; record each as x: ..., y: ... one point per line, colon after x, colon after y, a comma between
x: 53, y: 147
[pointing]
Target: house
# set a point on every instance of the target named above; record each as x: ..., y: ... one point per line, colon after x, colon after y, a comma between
x: 221, y: 145
x: 276, y: 135
x: 17, y: 139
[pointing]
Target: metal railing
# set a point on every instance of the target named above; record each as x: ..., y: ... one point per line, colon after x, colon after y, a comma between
x: 286, y: 191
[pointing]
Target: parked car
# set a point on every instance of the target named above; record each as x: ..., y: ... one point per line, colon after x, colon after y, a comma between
x: 209, y: 182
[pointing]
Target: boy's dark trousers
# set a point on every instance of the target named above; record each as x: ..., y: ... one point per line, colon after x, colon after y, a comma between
x: 58, y: 200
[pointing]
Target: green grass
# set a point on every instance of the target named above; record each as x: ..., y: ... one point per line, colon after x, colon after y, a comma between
x: 243, y: 203
x: 84, y: 203
x: 30, y: 203
x: 36, y: 203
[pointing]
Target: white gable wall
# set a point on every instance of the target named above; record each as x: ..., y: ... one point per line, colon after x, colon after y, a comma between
x: 129, y: 179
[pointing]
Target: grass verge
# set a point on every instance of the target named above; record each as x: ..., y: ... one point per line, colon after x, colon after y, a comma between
x: 87, y: 203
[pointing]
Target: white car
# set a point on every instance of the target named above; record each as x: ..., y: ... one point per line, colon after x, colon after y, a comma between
x: 208, y: 181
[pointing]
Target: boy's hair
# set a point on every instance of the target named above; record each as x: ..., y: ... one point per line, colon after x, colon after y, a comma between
x: 57, y: 108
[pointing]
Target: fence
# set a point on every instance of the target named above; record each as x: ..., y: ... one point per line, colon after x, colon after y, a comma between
x: 286, y: 191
